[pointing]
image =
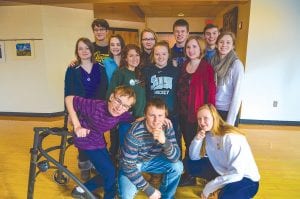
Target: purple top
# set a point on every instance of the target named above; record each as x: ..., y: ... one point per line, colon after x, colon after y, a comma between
x: 94, y: 115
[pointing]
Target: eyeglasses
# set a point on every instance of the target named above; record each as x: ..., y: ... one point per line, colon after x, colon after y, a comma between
x: 148, y: 39
x: 119, y: 103
x: 100, y: 29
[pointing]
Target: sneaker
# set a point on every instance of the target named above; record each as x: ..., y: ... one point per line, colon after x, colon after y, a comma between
x: 187, y: 180
x: 79, y: 193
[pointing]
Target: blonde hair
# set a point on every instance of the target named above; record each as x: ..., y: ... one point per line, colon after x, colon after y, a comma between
x: 150, y: 31
x: 201, y: 43
x: 163, y: 43
x: 220, y: 127
x: 125, y: 91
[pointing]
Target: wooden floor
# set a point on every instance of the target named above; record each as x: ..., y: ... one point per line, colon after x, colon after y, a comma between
x: 276, y: 150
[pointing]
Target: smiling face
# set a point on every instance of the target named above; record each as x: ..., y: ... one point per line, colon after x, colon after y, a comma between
x: 161, y: 56
x: 225, y: 45
x: 117, y: 104
x: 211, y: 36
x: 205, y: 119
x: 192, y: 49
x: 132, y: 59
x: 83, y: 51
x: 115, y: 46
x: 181, y: 34
x: 100, y: 33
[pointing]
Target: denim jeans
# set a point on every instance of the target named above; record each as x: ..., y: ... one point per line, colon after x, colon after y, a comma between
x: 106, y: 177
x: 243, y: 189
x: 158, y: 165
x: 123, y: 130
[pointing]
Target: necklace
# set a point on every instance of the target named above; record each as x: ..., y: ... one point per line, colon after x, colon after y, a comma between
x: 86, y: 75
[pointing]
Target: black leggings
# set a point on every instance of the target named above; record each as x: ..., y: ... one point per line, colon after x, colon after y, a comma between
x: 189, y: 130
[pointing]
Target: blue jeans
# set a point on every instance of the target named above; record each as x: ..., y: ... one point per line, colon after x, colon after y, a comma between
x: 123, y: 130
x: 106, y: 177
x: 158, y: 165
x: 243, y: 189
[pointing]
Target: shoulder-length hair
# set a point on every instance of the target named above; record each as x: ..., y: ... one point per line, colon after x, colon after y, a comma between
x: 150, y: 31
x: 123, y: 63
x: 89, y: 44
x: 201, y: 43
x: 231, y: 34
x: 121, y: 40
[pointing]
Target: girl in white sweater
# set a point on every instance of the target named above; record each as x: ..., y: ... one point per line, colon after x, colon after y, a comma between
x: 221, y: 154
x: 229, y: 75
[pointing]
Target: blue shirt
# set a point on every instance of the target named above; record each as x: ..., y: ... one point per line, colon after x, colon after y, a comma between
x: 110, y: 66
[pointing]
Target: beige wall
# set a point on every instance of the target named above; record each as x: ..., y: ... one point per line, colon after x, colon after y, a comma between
x: 36, y: 84
x: 272, y: 65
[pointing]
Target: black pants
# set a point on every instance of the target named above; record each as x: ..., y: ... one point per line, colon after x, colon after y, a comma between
x: 224, y: 115
x: 114, y: 142
x: 189, y: 130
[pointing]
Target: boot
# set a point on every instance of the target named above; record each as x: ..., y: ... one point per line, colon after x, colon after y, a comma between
x: 85, y: 168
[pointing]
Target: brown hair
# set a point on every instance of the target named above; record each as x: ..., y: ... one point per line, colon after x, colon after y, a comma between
x: 181, y: 22
x: 147, y: 30
x: 121, y: 40
x: 231, y: 34
x: 100, y: 23
x: 123, y: 63
x: 89, y: 44
x: 157, y: 103
x: 209, y: 26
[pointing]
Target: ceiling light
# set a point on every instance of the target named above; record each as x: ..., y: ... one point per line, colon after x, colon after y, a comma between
x: 180, y: 14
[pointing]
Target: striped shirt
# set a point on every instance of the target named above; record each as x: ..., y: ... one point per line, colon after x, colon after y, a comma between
x: 139, y: 146
x: 94, y: 115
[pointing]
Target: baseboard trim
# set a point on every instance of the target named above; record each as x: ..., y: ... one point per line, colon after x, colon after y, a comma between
x: 270, y: 122
x: 22, y: 114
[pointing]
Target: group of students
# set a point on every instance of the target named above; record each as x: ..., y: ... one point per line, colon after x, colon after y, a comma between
x: 149, y: 97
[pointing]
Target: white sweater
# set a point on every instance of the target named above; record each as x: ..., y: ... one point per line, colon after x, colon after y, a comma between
x: 230, y: 155
x: 228, y: 96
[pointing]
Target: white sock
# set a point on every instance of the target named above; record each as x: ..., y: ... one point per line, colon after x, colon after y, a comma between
x: 79, y: 189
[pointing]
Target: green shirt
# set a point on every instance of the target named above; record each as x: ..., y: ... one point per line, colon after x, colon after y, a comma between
x: 123, y: 76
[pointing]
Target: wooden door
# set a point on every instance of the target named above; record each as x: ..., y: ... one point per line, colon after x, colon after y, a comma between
x: 130, y: 36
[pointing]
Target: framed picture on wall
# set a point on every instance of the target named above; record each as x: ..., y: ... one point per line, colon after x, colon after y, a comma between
x: 230, y: 20
x: 23, y: 49
x: 2, y: 51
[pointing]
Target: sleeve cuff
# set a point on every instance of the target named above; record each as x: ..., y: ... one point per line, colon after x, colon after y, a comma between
x: 167, y: 144
x: 149, y: 190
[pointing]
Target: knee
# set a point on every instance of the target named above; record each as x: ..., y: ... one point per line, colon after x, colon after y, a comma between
x: 126, y: 189
x: 177, y: 167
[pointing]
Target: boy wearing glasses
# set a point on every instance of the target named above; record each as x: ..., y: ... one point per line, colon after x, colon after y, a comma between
x: 91, y: 118
x: 100, y: 29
